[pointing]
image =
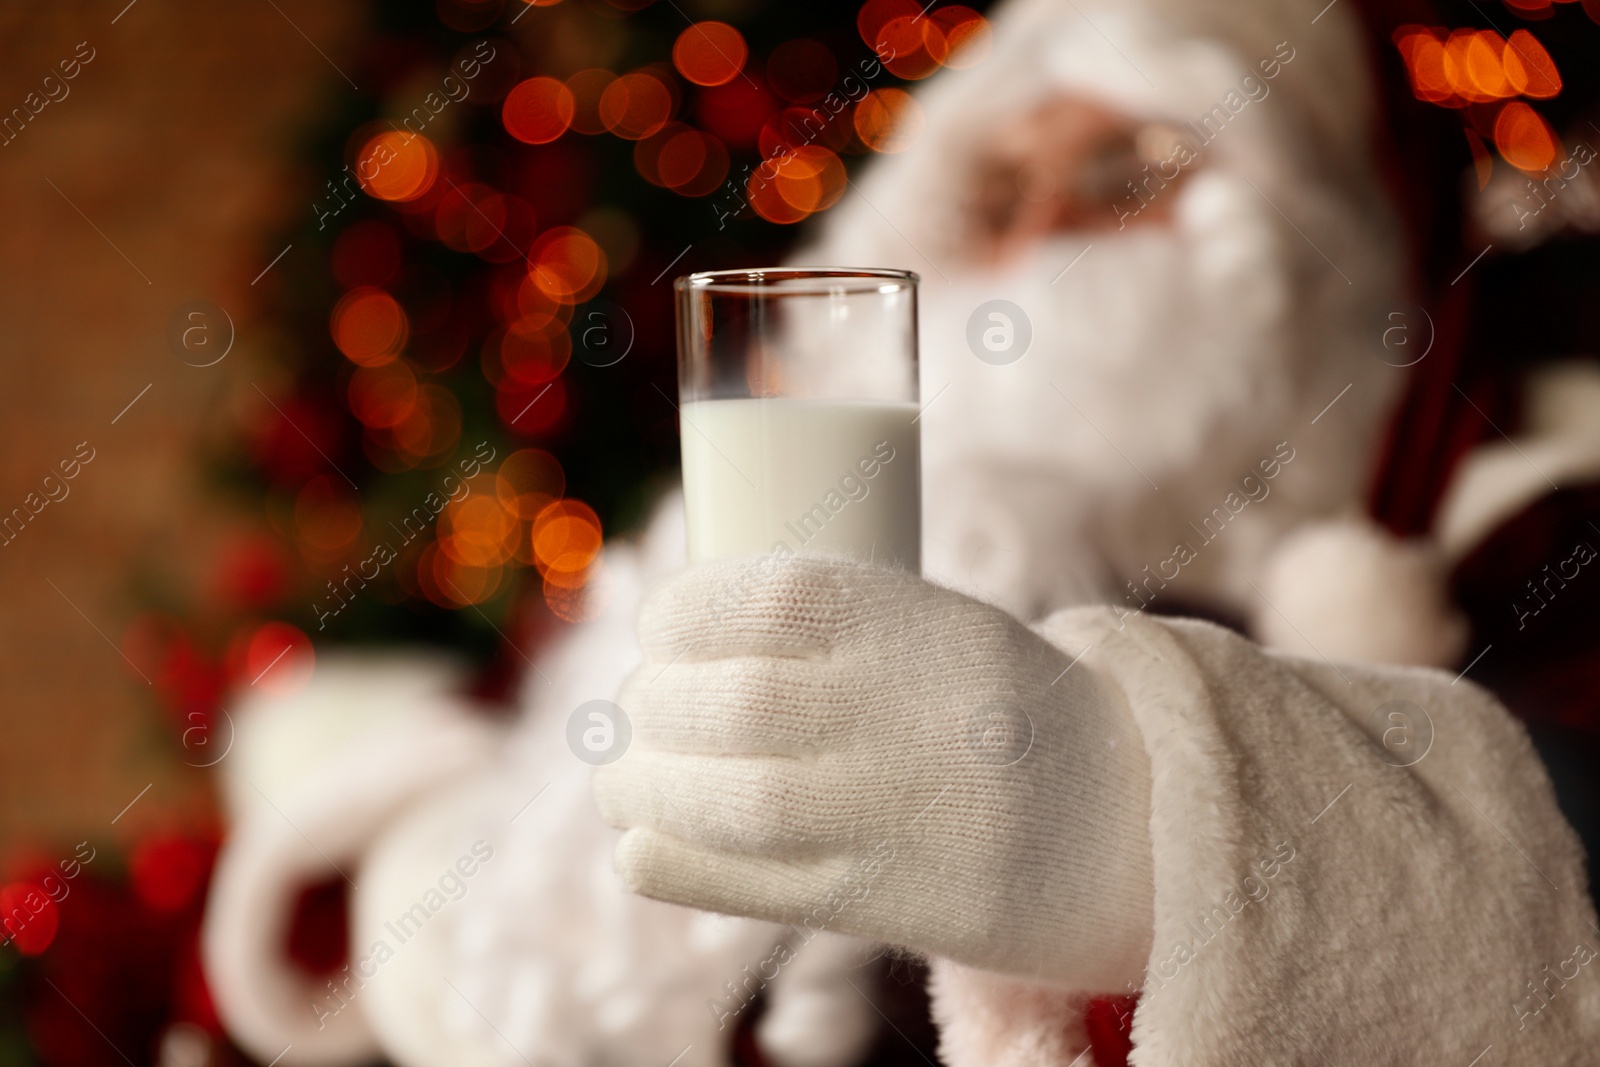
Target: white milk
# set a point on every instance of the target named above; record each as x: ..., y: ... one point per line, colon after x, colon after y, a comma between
x: 818, y: 476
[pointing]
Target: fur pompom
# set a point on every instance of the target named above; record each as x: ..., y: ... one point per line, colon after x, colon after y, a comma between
x: 1347, y: 590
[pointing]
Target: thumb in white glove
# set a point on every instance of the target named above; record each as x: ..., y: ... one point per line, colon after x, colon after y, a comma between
x: 842, y: 746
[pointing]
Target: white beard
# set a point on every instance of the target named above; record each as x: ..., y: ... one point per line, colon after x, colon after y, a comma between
x: 1156, y: 361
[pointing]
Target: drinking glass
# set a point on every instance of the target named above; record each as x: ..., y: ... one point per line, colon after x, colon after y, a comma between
x: 798, y: 403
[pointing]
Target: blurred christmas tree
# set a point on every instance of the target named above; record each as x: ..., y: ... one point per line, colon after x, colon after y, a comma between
x: 481, y: 376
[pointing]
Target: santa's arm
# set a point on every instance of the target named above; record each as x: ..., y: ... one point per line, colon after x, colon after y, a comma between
x: 1352, y: 865
x: 1289, y: 859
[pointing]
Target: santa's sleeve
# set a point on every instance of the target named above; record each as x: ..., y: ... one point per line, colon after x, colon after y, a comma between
x: 1353, y: 865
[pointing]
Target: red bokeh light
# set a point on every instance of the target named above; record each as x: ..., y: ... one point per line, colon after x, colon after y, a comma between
x: 369, y: 326
x: 276, y: 658
x: 636, y: 105
x: 538, y: 110
x: 710, y: 53
x: 28, y: 916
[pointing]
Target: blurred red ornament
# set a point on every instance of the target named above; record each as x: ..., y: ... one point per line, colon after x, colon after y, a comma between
x: 276, y: 658
x: 131, y: 968
x: 29, y: 916
x: 169, y: 871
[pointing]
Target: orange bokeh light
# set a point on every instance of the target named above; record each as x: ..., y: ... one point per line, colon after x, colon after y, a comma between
x: 1424, y: 56
x: 912, y: 47
x: 683, y: 159
x: 397, y: 165
x: 479, y: 531
x: 888, y: 120
x: 1455, y: 67
x: 1533, y: 66
x: 710, y: 53
x: 788, y: 189
x: 538, y: 110
x: 1484, y: 69
x: 635, y: 105
x: 1475, y: 66
x: 968, y: 38
x: 875, y: 14
x: 567, y: 264
x: 1525, y: 140
x: 566, y: 538
x: 536, y: 309
x: 369, y: 326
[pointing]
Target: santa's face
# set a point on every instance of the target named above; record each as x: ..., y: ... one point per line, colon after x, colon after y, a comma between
x: 1104, y: 353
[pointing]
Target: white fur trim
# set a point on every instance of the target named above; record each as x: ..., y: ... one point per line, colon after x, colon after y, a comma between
x: 1559, y: 445
x: 294, y: 828
x: 1317, y: 901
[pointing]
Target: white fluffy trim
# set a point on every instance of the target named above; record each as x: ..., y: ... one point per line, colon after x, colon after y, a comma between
x: 309, y: 781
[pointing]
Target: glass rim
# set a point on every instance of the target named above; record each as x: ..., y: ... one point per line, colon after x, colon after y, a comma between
x: 791, y: 281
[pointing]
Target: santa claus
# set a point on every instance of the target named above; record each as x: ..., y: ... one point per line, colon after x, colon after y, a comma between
x: 1105, y: 826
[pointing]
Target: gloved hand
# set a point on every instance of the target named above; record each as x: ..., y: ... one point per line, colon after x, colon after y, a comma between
x: 843, y: 746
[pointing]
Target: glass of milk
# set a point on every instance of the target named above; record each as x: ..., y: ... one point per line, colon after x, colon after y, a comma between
x: 798, y: 391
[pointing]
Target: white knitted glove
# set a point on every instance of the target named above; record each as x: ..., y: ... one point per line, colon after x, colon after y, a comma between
x: 843, y: 746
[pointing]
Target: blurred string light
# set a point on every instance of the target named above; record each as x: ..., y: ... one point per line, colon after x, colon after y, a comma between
x: 1483, y: 73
